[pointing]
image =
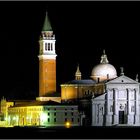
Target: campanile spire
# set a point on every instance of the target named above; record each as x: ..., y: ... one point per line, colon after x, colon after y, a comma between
x: 47, y: 60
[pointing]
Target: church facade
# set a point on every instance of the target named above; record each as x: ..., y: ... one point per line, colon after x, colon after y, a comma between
x: 110, y: 99
x: 104, y: 99
x: 119, y: 105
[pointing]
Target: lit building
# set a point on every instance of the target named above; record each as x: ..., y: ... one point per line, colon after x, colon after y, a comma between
x: 42, y: 113
x: 47, y: 64
x: 80, y: 88
x: 120, y: 101
x: 47, y: 110
x: 119, y: 104
x: 104, y: 99
x: 47, y: 60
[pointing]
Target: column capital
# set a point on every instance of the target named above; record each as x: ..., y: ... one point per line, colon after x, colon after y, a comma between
x: 115, y: 89
x: 128, y: 89
x: 136, y: 89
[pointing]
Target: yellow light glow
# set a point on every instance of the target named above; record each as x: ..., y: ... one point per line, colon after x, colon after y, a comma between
x: 44, y: 116
x: 14, y: 118
x: 68, y: 124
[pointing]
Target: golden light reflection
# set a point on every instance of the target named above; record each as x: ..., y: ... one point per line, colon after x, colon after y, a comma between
x: 67, y: 124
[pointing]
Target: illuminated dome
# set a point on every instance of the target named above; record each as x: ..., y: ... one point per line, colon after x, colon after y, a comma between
x: 104, y: 70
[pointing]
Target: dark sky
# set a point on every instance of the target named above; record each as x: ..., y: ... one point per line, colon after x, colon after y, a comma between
x: 82, y: 29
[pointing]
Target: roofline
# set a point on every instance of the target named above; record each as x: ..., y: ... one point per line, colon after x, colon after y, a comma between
x: 43, y: 105
x: 68, y: 85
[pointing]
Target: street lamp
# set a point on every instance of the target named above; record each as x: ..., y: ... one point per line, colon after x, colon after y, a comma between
x: 67, y: 124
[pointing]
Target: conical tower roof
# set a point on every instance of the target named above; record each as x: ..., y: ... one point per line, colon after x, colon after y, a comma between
x: 47, y: 24
x: 78, y: 71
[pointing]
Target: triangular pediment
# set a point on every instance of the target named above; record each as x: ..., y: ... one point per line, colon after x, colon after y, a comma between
x: 122, y: 79
x: 100, y: 97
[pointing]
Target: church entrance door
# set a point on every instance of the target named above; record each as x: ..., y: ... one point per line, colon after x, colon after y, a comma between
x: 121, y: 117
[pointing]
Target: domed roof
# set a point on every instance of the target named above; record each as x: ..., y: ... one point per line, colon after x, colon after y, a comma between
x: 104, y: 70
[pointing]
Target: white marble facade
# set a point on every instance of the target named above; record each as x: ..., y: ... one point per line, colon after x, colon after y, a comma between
x: 119, y: 105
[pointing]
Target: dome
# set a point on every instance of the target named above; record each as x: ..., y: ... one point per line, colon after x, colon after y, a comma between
x: 104, y: 70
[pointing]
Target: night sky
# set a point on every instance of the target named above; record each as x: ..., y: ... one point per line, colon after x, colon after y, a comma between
x: 82, y: 30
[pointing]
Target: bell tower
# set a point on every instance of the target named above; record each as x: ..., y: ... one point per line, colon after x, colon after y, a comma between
x: 47, y: 60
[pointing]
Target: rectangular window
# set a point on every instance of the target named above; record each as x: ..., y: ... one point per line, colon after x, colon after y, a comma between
x: 54, y: 119
x: 55, y: 114
x: 46, y: 46
x: 65, y: 113
x: 78, y: 119
x: 48, y: 119
x: 65, y: 119
x: 51, y: 46
x: 72, y: 113
x: 132, y: 109
x: 48, y: 114
x: 111, y: 108
x: 72, y: 119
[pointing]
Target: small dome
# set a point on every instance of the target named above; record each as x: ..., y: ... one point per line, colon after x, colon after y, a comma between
x: 104, y: 70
